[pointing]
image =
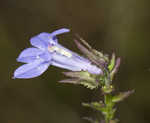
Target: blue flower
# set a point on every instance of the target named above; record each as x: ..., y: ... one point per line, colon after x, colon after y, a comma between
x: 47, y: 51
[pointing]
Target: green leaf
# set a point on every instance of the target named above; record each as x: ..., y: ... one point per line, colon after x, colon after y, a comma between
x: 89, y: 84
x: 121, y: 96
x: 112, y: 63
x: 95, y: 105
x: 84, y: 78
x: 71, y: 81
x: 82, y: 75
x: 115, y: 69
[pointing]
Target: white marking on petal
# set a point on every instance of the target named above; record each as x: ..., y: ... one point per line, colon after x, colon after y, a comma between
x: 60, y: 51
x: 37, y: 57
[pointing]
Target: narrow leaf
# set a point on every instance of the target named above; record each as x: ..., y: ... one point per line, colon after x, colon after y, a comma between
x: 112, y: 62
x: 84, y: 42
x: 72, y: 81
x: 82, y: 75
x: 121, y: 96
x: 95, y: 105
x: 116, y: 68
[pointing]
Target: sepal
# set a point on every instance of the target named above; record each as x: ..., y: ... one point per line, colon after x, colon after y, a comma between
x: 115, y: 69
x: 93, y: 55
x: 82, y: 75
x: 71, y: 81
x: 89, y: 84
x: 83, y: 78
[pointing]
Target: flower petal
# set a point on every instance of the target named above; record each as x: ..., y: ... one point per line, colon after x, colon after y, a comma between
x: 94, y: 69
x: 46, y: 56
x: 41, y: 41
x: 31, y: 70
x: 29, y: 55
x: 68, y: 67
x: 74, y: 63
x: 60, y: 31
x: 73, y: 53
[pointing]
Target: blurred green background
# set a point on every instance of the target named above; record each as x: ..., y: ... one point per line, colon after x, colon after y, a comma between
x: 122, y: 26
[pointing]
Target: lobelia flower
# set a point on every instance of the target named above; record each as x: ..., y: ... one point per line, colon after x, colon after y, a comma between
x: 47, y: 51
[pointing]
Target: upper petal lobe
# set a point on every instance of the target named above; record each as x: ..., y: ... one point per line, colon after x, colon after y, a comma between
x: 60, y: 31
x: 41, y: 41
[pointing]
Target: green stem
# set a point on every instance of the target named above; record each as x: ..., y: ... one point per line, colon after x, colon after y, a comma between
x: 106, y: 120
x: 109, y: 111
